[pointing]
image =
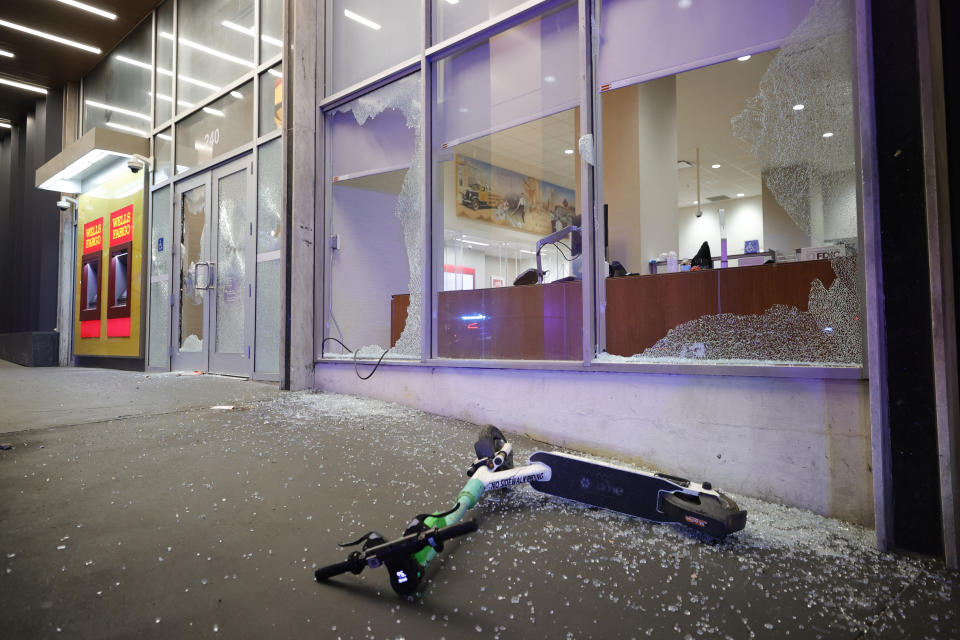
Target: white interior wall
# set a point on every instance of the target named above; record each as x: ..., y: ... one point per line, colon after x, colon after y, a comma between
x: 657, y: 180
x: 744, y: 219
x: 370, y: 266
x: 780, y: 232
x: 801, y: 442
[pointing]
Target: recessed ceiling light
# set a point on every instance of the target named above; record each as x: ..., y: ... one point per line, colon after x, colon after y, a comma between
x: 479, y: 244
x: 696, y: 202
x: 684, y: 4
x: 164, y: 136
x: 569, y: 152
x: 798, y: 107
x: 48, y: 36
x: 275, y: 73
x: 714, y: 166
x: 743, y: 58
x: 22, y: 85
x: 364, y: 21
x: 739, y: 195
x: 91, y: 9
x: 828, y: 134
x: 237, y: 95
x: 550, y: 78
x: 214, y: 112
x: 452, y: 1
x: 6, y: 125
x: 6, y: 54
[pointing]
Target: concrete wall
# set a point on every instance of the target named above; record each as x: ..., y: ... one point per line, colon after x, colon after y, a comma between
x: 801, y: 442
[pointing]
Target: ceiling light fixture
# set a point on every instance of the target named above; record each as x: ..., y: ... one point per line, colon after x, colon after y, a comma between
x: 6, y: 125
x: 549, y: 78
x: 126, y: 112
x: 452, y: 1
x: 166, y: 72
x: 91, y: 9
x: 798, y: 107
x: 828, y: 134
x: 250, y: 32
x: 714, y: 166
x: 743, y: 58
x: 6, y: 54
x: 209, y: 51
x: 239, y: 28
x: 123, y: 127
x: 48, y: 36
x: 237, y: 95
x: 164, y: 136
x: 182, y: 103
x: 739, y: 195
x: 275, y: 73
x: 23, y: 85
x: 214, y: 112
x: 569, y: 152
x: 364, y: 21
x: 479, y: 244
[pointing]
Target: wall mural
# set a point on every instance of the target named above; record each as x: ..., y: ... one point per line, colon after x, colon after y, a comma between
x: 502, y: 197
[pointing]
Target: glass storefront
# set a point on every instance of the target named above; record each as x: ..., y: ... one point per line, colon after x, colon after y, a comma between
x: 116, y: 94
x: 721, y: 224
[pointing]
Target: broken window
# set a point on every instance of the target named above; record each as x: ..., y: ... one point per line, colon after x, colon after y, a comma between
x: 729, y: 183
x: 374, y: 204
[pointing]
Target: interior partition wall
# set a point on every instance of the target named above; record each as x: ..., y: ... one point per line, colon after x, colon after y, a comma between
x: 204, y: 81
x: 506, y: 187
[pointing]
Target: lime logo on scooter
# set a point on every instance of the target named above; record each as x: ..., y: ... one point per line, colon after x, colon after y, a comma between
x: 601, y: 487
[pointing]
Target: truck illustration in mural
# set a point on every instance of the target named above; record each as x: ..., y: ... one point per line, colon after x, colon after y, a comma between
x: 478, y: 196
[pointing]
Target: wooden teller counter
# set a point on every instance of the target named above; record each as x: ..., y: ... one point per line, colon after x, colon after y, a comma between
x: 543, y: 322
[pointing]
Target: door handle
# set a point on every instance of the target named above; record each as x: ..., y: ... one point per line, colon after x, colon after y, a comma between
x: 211, y: 274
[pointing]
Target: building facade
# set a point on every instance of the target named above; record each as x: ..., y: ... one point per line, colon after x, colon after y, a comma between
x: 712, y: 238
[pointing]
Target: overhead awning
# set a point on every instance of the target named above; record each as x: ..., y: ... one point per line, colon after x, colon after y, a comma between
x: 86, y: 160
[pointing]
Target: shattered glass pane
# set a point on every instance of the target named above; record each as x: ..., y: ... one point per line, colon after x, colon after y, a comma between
x: 376, y: 178
x: 230, y: 276
x: 766, y: 173
x: 827, y: 333
x: 800, y: 125
x: 161, y: 222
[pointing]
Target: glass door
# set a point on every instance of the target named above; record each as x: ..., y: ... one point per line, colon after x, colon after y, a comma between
x: 193, y: 266
x: 233, y: 257
x: 213, y: 304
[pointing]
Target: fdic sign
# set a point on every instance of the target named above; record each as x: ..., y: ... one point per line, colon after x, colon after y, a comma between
x: 823, y: 253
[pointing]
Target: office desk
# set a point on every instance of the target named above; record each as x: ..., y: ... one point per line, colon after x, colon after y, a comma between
x: 543, y: 322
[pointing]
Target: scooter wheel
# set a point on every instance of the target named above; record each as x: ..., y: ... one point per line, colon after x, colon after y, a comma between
x: 489, y: 442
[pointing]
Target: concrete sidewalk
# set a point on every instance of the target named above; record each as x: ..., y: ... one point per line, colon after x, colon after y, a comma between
x: 185, y: 521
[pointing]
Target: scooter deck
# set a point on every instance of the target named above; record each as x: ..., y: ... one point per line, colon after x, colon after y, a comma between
x: 606, y: 486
